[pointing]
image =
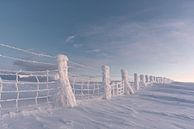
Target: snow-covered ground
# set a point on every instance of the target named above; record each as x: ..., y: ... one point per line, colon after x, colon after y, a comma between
x: 169, y: 106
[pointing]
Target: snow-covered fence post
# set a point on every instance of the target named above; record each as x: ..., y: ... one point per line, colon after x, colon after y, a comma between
x: 146, y: 80
x: 125, y: 78
x: 154, y: 79
x: 150, y: 79
x: 157, y: 80
x: 106, y: 81
x: 142, y: 80
x: 65, y: 96
x: 136, y: 81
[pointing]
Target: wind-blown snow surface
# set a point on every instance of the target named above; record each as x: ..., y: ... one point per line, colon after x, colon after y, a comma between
x: 158, y: 107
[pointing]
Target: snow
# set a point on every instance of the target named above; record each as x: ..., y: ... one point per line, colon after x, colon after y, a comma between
x: 169, y: 106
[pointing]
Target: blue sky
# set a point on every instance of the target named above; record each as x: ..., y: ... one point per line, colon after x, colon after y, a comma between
x: 144, y: 36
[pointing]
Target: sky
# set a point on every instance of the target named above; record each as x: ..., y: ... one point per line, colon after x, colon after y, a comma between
x: 144, y: 36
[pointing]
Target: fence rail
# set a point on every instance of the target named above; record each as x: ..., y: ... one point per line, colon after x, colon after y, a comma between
x: 21, y: 90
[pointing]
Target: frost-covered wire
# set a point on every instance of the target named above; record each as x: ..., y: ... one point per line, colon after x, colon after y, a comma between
x: 82, y: 65
x: 26, y: 51
x: 8, y: 71
x: 46, y: 55
x: 23, y: 60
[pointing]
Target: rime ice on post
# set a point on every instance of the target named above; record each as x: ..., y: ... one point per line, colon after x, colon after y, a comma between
x: 106, y: 81
x: 150, y: 78
x: 65, y: 96
x: 136, y: 81
x: 154, y: 79
x: 142, y: 80
x: 125, y: 79
x: 146, y: 78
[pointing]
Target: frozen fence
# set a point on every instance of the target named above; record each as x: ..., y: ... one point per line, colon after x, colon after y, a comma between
x: 117, y: 88
x: 86, y: 87
x: 25, y: 89
x: 30, y: 89
x: 70, y: 82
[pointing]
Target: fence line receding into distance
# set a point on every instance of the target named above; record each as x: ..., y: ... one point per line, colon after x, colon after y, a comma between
x: 21, y: 90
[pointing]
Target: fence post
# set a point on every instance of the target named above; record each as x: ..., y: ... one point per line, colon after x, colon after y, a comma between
x: 106, y: 81
x: 142, y: 80
x: 65, y: 96
x: 146, y: 80
x: 154, y: 79
x: 125, y: 78
x: 150, y: 78
x: 157, y: 81
x: 136, y: 81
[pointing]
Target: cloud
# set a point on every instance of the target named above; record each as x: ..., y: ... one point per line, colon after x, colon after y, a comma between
x: 99, y: 53
x: 153, y: 40
x: 70, y: 38
x: 93, y: 51
x: 77, y: 45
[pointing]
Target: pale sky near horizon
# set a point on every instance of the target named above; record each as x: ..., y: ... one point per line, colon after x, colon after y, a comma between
x: 144, y: 36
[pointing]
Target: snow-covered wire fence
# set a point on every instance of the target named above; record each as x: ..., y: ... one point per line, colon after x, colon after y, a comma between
x: 22, y: 89
x: 86, y: 87
x: 72, y: 81
x: 117, y: 88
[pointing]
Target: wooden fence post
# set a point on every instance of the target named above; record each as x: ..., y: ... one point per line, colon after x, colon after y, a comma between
x: 65, y: 96
x: 106, y: 81
x: 125, y: 78
x: 136, y: 81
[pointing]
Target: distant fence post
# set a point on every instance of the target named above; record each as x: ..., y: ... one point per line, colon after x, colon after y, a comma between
x: 65, y: 96
x: 125, y: 78
x: 150, y: 79
x: 154, y: 79
x: 136, y: 81
x: 157, y: 80
x: 106, y: 81
x: 142, y: 80
x: 146, y: 79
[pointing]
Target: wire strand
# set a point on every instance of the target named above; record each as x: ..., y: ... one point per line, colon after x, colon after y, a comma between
x: 42, y: 55
x: 27, y: 61
x: 26, y: 51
